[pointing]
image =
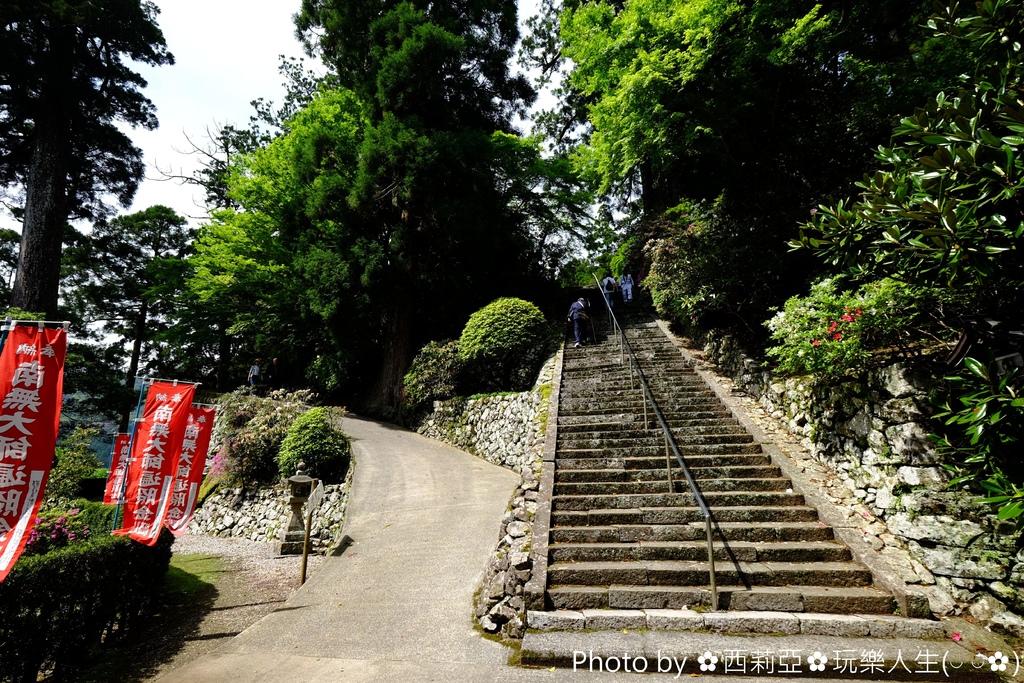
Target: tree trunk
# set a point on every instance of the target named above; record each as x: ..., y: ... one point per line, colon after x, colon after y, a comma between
x: 386, y: 395
x: 223, y: 356
x: 46, y: 212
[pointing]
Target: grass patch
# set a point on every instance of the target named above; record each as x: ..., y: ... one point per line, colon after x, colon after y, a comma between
x: 191, y: 574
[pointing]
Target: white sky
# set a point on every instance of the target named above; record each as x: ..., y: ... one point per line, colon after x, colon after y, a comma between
x: 226, y: 55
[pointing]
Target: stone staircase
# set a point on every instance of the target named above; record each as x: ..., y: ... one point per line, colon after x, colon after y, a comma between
x: 626, y: 550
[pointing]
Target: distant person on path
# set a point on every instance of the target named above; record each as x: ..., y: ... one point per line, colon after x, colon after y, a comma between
x: 254, y: 373
x: 579, y: 317
x: 274, y: 375
x: 626, y: 282
x: 609, y: 285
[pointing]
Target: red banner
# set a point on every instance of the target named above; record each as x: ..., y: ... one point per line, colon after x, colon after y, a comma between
x: 31, y: 383
x: 188, y: 473
x: 158, y: 437
x: 118, y: 464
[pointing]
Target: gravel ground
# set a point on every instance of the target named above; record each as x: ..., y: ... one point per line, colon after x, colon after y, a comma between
x: 254, y: 582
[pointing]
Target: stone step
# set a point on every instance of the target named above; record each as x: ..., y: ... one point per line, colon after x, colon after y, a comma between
x: 737, y: 551
x: 751, y: 645
x: 820, y: 599
x: 714, y: 499
x: 624, y: 384
x: 695, y: 531
x: 684, y: 515
x: 656, y: 485
x: 635, y: 431
x: 695, y: 419
x: 695, y: 573
x: 567, y: 476
x: 673, y: 417
x: 658, y: 462
x: 576, y: 442
x: 633, y: 401
x: 723, y: 449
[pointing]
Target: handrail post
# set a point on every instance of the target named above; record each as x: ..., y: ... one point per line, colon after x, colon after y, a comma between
x: 711, y: 563
x: 668, y: 466
x: 643, y: 395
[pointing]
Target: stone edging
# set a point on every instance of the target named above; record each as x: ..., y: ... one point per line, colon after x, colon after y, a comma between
x: 536, y: 587
x: 788, y: 623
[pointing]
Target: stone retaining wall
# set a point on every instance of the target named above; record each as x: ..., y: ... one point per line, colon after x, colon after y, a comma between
x: 872, y: 431
x: 260, y: 514
x: 500, y: 429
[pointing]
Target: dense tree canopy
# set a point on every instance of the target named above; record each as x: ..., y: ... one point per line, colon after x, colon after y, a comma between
x: 752, y: 113
x: 65, y: 83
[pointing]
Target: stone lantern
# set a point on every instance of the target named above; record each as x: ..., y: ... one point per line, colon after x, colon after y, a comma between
x: 292, y: 537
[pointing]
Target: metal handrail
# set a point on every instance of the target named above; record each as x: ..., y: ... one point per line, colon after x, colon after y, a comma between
x: 670, y: 442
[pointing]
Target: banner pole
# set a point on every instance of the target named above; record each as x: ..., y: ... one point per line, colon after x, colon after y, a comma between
x: 5, y: 331
x: 128, y: 463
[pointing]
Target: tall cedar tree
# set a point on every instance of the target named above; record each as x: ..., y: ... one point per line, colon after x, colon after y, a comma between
x: 436, y: 82
x: 64, y: 85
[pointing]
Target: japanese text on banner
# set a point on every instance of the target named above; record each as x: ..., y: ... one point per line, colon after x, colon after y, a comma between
x: 31, y: 383
x: 188, y: 473
x: 158, y: 437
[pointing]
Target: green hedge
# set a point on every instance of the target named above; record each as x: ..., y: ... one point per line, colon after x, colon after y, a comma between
x: 503, y: 346
x: 313, y: 440
x: 56, y: 609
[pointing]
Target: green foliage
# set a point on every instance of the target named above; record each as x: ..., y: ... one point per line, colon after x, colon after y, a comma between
x: 832, y: 331
x: 983, y: 416
x: 313, y: 440
x: 248, y: 432
x: 94, y: 387
x: 703, y: 264
x: 434, y: 375
x: 502, y: 345
x: 73, y: 462
x: 126, y: 275
x: 742, y: 114
x: 17, y: 314
x: 56, y: 608
x: 944, y: 209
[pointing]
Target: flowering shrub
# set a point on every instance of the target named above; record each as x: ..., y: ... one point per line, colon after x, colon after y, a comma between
x: 248, y: 432
x: 54, y: 530
x: 832, y: 331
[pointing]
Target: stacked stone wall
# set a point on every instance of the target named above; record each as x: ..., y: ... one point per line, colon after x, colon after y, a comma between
x: 260, y: 514
x: 872, y: 432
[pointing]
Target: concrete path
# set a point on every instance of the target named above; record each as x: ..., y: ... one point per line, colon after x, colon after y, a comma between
x: 396, y: 604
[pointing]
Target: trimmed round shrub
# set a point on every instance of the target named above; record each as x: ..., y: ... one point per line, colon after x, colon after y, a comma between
x: 312, y: 439
x: 503, y: 345
x: 433, y: 375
